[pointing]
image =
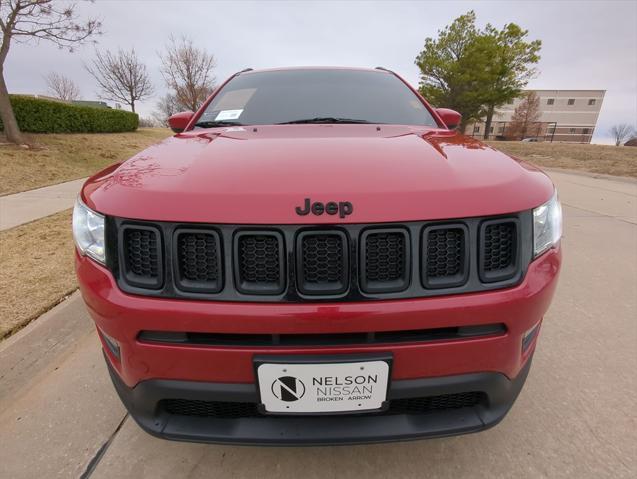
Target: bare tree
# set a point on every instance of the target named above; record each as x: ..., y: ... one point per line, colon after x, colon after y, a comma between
x: 62, y: 87
x: 187, y: 70
x: 121, y: 76
x: 166, y: 107
x: 621, y: 133
x: 148, y: 122
x: 525, y: 115
x: 26, y: 20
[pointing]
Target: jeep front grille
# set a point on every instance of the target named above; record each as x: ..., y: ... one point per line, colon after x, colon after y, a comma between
x: 296, y: 263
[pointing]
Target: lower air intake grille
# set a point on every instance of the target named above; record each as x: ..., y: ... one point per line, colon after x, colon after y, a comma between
x: 498, y: 254
x: 218, y: 409
x: 236, y: 410
x: 445, y: 256
x: 259, y: 263
x: 142, y: 256
x: 322, y: 262
x: 435, y: 403
x: 198, y: 258
x: 385, y: 259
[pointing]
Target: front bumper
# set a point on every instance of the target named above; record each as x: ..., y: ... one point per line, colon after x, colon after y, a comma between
x: 146, y: 373
x: 123, y: 316
x: 144, y: 402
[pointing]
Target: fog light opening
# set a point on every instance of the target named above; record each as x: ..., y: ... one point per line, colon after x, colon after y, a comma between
x: 529, y: 336
x: 111, y: 344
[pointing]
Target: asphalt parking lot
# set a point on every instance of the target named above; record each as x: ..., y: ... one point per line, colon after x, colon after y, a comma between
x: 576, y: 417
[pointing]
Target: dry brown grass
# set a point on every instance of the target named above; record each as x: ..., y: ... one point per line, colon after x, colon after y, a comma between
x: 36, y: 269
x: 57, y: 158
x: 605, y: 159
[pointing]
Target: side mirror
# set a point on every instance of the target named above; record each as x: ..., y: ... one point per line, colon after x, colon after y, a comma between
x: 179, y: 121
x: 451, y: 118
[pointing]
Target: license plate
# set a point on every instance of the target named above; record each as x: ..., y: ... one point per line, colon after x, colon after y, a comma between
x: 323, y: 387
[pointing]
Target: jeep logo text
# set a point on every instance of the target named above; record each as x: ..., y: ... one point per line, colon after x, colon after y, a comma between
x: 343, y: 208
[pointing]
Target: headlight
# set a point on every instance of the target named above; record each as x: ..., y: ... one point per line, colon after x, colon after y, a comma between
x: 88, y: 232
x: 547, y: 225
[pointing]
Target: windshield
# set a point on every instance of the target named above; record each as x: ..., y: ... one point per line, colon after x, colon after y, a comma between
x: 315, y: 96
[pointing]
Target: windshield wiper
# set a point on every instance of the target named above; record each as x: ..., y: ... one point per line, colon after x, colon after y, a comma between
x: 212, y: 124
x: 323, y: 119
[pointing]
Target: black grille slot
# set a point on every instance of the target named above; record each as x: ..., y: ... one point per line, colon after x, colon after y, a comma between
x: 198, y: 261
x: 498, y: 250
x: 445, y: 259
x: 237, y: 410
x: 322, y: 262
x: 332, y: 339
x: 216, y: 409
x: 384, y: 261
x: 259, y: 263
x: 424, y: 405
x: 141, y: 260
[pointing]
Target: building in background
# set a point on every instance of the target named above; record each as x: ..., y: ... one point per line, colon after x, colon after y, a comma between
x: 565, y: 115
x: 91, y: 103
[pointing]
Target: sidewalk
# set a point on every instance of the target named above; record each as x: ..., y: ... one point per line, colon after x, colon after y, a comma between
x: 31, y: 205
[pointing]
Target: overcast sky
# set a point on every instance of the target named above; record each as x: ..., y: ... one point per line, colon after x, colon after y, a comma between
x: 585, y: 44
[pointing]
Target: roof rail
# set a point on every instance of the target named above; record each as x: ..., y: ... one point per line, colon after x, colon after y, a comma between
x: 245, y: 70
x: 384, y: 69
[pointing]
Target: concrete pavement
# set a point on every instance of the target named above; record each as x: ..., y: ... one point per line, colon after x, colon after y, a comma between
x: 576, y: 417
x: 31, y: 205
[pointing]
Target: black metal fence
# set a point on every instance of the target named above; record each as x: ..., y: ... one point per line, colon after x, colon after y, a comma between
x: 537, y: 130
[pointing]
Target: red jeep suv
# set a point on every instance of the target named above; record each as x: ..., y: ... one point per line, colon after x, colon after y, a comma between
x: 317, y: 257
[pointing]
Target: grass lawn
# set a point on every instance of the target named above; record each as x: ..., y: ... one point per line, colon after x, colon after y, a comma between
x: 36, y: 269
x: 605, y: 159
x: 63, y: 157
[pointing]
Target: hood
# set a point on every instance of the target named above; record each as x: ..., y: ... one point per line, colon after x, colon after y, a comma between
x: 260, y: 175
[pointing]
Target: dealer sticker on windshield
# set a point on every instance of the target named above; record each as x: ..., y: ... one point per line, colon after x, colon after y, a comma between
x: 323, y: 388
x: 225, y: 115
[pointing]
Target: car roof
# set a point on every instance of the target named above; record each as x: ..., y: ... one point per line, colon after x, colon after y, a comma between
x: 296, y: 68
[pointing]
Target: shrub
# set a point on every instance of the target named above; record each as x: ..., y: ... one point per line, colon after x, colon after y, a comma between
x: 36, y: 115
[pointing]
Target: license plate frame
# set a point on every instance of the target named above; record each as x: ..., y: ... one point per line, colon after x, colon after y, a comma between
x: 342, y: 363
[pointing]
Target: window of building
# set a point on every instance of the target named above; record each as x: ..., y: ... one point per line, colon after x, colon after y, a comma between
x: 571, y: 101
x: 510, y: 102
x: 550, y: 101
x: 476, y: 129
x: 585, y: 131
x: 572, y: 131
x: 500, y: 129
x: 591, y: 101
x: 491, y: 130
